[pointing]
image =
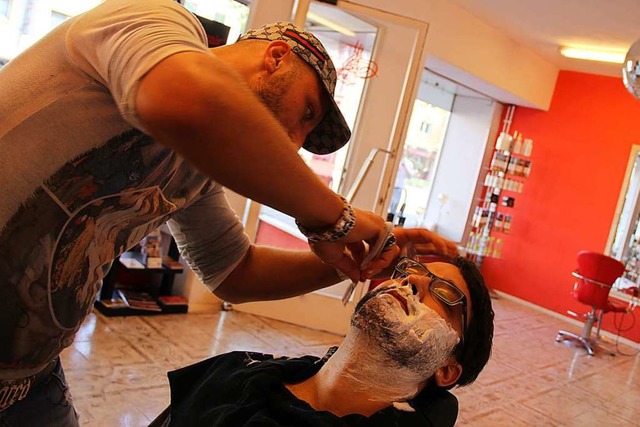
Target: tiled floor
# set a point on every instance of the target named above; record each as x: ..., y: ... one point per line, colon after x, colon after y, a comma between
x: 117, y: 368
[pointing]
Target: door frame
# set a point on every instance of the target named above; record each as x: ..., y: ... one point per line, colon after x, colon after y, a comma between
x: 318, y: 310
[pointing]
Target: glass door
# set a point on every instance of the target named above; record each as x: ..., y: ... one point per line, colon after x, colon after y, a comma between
x: 420, y: 154
x: 228, y: 12
x: 378, y: 57
x: 349, y: 41
x: 22, y: 23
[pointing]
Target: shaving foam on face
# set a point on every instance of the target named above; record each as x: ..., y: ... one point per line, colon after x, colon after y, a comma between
x: 418, y: 338
x: 389, y: 354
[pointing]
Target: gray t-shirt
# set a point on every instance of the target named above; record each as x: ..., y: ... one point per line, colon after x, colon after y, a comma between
x: 81, y: 181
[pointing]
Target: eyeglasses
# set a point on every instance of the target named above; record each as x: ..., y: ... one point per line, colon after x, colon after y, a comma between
x: 441, y: 288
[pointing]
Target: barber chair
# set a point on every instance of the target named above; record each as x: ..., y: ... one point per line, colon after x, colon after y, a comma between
x: 595, y: 276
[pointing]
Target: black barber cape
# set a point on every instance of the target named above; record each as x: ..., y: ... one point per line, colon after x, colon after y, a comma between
x: 244, y: 389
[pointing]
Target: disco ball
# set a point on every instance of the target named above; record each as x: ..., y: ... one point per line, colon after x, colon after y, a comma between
x: 631, y: 70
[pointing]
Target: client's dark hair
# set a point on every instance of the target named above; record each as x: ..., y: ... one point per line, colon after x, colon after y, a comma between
x: 479, y: 334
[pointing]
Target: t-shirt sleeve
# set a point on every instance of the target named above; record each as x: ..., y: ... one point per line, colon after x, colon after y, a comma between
x: 119, y: 41
x: 210, y: 237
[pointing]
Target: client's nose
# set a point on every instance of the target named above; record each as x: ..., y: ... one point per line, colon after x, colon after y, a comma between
x: 406, y: 282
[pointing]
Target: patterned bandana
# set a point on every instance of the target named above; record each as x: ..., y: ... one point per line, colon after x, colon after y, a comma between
x: 332, y: 132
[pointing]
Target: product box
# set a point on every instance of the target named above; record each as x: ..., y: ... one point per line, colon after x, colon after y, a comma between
x: 173, y: 304
x: 139, y: 300
x: 151, y: 250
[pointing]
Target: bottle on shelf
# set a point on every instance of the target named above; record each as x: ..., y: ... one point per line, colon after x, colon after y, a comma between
x: 497, y: 248
x: 527, y: 147
x: 499, y: 222
x: 489, y: 246
x: 507, y: 224
x: 509, y: 167
x: 517, y: 143
x: 471, y: 241
x: 519, y: 170
x: 504, y: 142
x: 526, y: 169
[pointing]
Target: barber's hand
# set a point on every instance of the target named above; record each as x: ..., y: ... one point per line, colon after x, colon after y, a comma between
x: 347, y: 253
x: 411, y: 242
x: 424, y: 242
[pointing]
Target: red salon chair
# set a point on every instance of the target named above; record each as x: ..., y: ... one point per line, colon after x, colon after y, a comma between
x: 595, y: 276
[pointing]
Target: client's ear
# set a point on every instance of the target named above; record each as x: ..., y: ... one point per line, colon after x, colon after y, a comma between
x: 448, y: 374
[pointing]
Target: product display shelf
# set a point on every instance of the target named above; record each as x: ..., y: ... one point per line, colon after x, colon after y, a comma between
x: 145, y: 296
x: 503, y: 183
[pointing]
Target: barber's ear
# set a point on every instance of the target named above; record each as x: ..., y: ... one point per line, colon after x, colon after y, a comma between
x: 276, y: 55
x: 448, y: 374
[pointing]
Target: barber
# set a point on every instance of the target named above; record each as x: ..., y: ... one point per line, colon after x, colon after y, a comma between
x: 122, y: 119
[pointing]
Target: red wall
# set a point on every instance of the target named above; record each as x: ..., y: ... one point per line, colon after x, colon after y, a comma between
x: 269, y: 235
x: 580, y: 154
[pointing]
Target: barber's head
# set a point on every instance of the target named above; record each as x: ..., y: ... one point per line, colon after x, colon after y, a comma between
x: 435, y: 319
x: 296, y: 80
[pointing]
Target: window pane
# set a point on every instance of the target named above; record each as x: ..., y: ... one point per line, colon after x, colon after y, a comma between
x: 349, y: 42
x: 29, y: 20
x: 228, y: 12
x: 4, y: 7
x: 427, y: 128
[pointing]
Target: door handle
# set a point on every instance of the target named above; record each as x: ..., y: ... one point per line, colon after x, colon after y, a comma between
x: 364, y: 170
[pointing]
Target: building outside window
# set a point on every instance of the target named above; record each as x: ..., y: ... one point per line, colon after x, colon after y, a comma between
x: 28, y: 20
x: 5, y: 6
x: 231, y: 13
x: 23, y: 22
x: 416, y: 172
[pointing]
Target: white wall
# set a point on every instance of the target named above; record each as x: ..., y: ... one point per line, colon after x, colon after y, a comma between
x: 465, y: 49
x: 472, y: 128
x: 276, y: 10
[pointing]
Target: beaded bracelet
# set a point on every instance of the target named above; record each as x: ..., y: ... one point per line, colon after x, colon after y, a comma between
x: 340, y: 229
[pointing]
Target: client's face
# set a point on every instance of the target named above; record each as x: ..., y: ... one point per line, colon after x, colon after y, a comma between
x: 413, y: 327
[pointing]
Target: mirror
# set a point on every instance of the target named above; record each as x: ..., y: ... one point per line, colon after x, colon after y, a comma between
x: 624, y: 237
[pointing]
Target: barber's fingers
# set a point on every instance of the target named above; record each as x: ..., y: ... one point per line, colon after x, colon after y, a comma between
x: 357, y: 251
x: 425, y: 241
x: 387, y: 257
x: 348, y: 253
x: 334, y: 254
x: 430, y: 248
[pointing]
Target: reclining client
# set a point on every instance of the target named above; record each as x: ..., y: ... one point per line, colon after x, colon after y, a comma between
x: 415, y: 336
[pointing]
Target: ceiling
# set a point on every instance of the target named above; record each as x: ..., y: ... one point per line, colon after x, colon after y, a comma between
x: 545, y: 25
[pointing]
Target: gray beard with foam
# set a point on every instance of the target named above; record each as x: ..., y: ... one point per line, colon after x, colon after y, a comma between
x: 420, y: 341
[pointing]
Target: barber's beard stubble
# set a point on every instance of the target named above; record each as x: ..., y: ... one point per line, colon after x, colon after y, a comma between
x: 273, y: 90
x: 421, y: 341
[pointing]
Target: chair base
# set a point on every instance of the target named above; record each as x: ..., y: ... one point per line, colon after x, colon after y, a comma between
x: 586, y: 343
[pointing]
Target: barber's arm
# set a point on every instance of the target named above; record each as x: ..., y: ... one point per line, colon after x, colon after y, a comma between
x: 269, y: 273
x: 195, y: 104
x: 212, y: 241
